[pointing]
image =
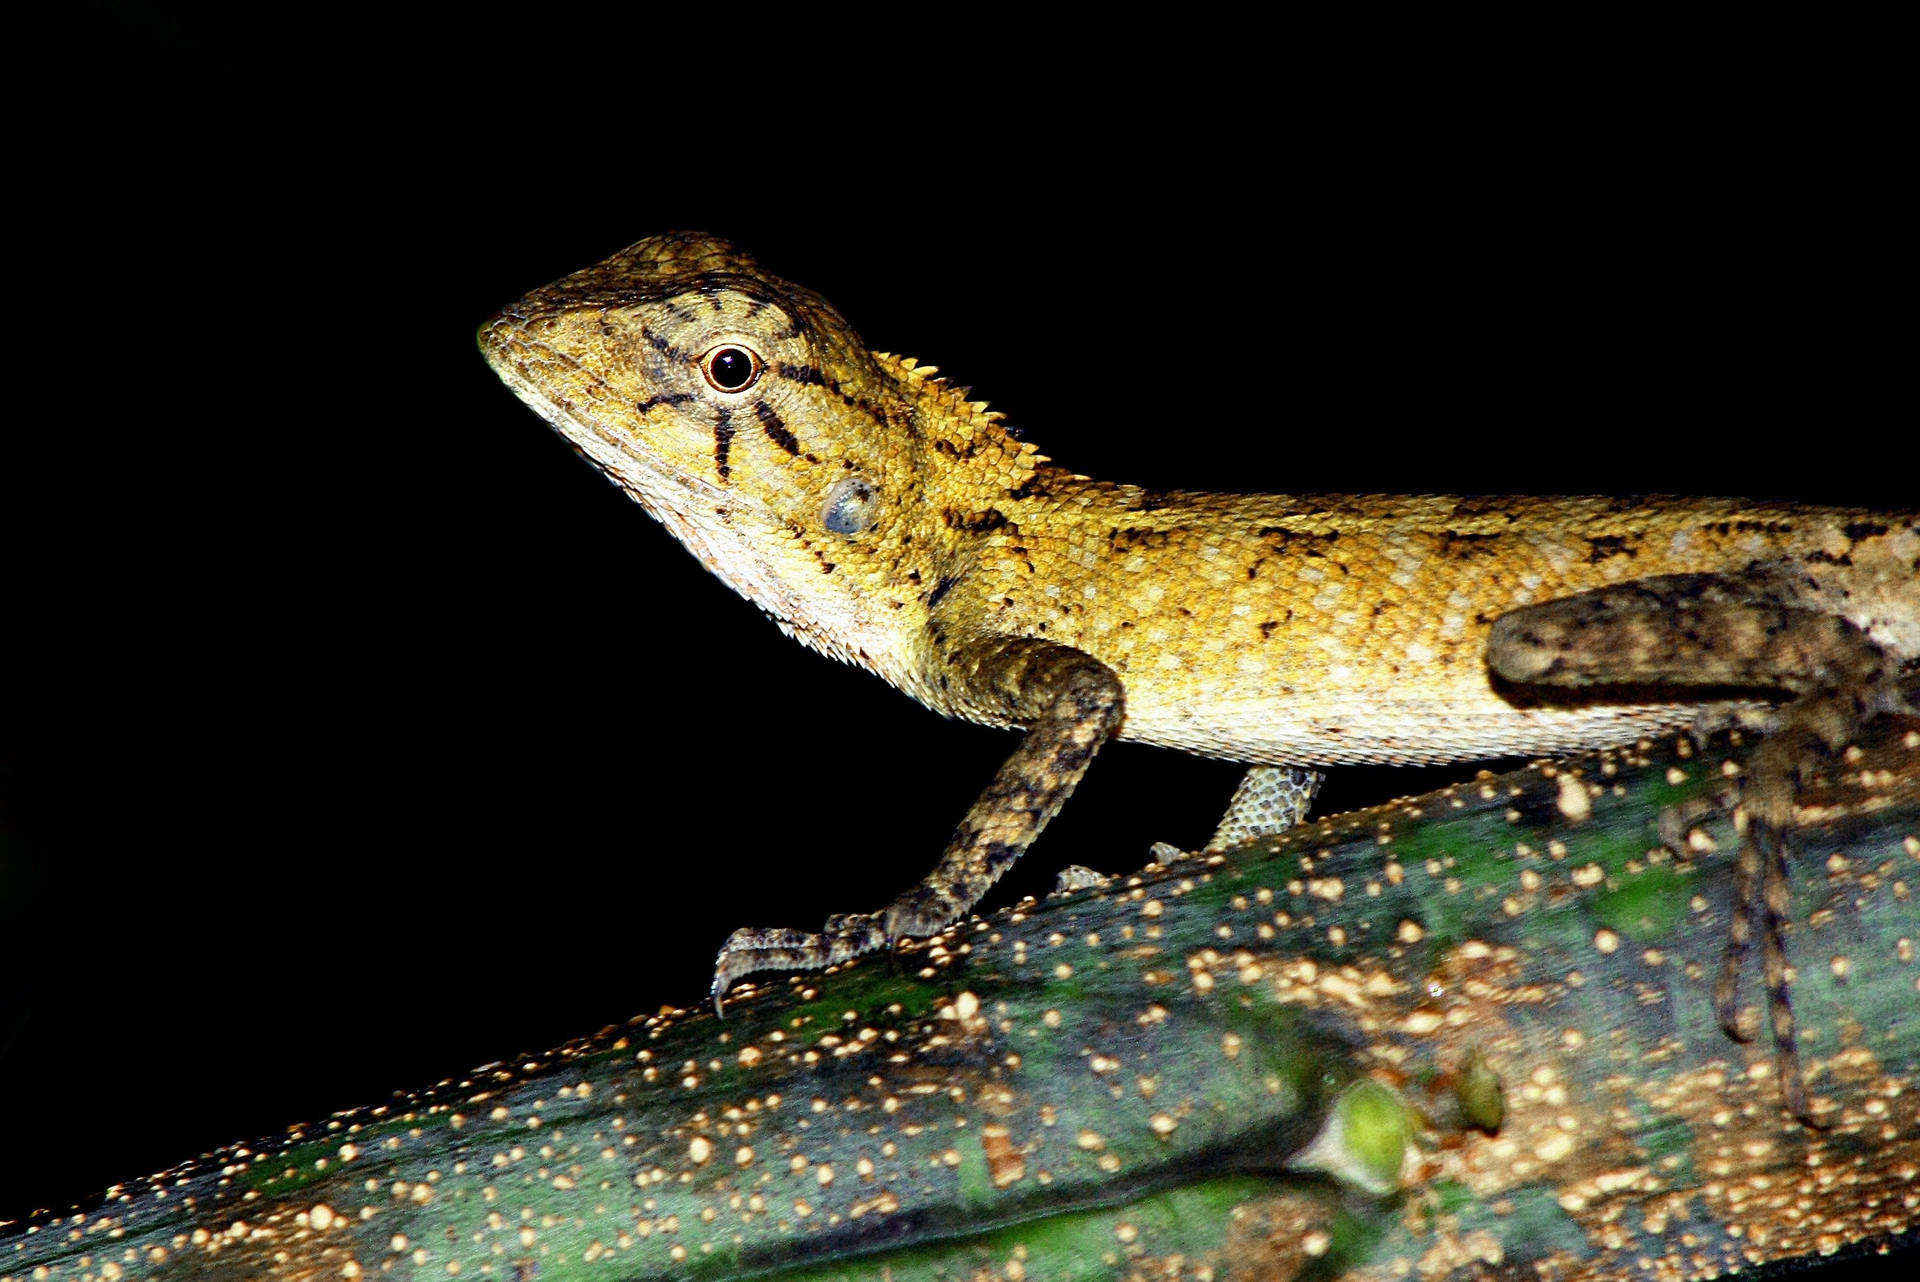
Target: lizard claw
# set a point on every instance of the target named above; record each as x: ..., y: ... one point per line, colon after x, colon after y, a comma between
x: 747, y: 950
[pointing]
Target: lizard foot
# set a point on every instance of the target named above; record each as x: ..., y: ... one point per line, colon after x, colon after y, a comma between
x: 1762, y: 897
x: 747, y: 950
x: 1814, y: 730
x: 1071, y: 703
x: 1079, y: 877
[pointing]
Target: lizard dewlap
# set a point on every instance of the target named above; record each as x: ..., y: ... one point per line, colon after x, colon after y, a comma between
x: 883, y: 518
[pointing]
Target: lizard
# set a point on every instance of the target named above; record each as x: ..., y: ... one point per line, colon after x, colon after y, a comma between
x: 882, y: 517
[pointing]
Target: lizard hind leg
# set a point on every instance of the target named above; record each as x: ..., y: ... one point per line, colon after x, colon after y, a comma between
x: 1812, y: 729
x: 1727, y: 632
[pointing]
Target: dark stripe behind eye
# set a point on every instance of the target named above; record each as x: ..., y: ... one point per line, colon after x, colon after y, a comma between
x: 670, y: 398
x: 776, y: 429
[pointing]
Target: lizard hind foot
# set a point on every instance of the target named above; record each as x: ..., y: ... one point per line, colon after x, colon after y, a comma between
x: 1763, y: 895
x: 1762, y: 906
x: 749, y: 950
x: 1763, y: 810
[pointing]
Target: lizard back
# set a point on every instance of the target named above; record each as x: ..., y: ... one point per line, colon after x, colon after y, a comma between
x: 1323, y: 629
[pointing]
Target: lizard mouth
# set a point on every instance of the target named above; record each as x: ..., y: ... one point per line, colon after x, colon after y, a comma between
x: 723, y: 527
x: 512, y: 353
x: 666, y: 493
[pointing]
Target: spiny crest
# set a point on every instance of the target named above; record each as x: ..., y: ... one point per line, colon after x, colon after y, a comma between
x: 970, y: 422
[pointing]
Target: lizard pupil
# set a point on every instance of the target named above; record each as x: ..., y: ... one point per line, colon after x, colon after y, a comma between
x: 730, y: 368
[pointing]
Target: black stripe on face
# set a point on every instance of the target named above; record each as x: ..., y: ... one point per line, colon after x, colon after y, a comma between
x: 670, y: 398
x: 775, y: 427
x: 722, y: 440
x: 663, y: 346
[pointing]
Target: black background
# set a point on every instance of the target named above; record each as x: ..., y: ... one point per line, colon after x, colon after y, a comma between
x: 356, y: 733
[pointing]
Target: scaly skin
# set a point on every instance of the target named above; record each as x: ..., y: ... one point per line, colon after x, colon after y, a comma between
x: 882, y: 518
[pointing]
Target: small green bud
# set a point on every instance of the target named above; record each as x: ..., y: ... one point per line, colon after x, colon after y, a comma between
x: 1364, y: 1140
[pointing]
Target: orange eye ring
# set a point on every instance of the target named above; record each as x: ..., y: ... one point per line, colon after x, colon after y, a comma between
x: 731, y: 367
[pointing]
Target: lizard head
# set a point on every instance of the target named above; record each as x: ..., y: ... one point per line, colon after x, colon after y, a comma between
x: 746, y: 415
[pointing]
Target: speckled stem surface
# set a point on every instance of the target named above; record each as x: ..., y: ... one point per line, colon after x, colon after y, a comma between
x: 1153, y: 1078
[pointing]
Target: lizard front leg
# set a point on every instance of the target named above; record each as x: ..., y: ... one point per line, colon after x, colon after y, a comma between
x: 1070, y: 703
x: 1728, y: 631
x: 1269, y: 800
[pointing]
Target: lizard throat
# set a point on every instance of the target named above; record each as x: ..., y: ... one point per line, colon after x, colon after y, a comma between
x: 727, y: 536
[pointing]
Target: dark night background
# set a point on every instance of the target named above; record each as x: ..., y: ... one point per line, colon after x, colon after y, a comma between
x: 353, y: 732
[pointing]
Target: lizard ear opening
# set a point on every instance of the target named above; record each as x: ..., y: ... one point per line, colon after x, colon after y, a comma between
x: 852, y: 505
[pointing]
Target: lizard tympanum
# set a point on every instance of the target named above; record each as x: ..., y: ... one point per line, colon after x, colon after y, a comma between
x: 883, y: 518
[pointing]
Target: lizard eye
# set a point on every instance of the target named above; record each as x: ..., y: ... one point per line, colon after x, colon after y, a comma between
x: 852, y: 505
x: 730, y: 367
